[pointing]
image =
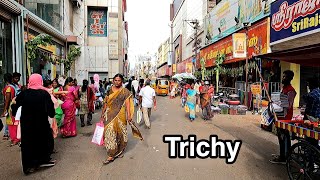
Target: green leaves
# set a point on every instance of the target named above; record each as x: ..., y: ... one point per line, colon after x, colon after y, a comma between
x: 74, y: 53
x: 33, y: 45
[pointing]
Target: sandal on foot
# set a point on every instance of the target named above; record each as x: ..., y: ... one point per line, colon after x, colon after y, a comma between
x: 105, y: 162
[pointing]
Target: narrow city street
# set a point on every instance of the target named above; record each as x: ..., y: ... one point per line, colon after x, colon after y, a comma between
x: 78, y: 158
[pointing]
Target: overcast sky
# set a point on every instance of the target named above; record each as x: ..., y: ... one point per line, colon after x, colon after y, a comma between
x: 148, y: 22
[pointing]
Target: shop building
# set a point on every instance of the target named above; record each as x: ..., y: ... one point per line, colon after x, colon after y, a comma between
x: 187, y: 25
x: 294, y: 39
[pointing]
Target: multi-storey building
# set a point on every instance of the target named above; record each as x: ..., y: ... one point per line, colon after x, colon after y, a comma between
x: 187, y: 30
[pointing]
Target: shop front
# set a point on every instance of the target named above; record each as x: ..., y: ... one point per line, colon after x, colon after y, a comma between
x: 185, y: 66
x: 164, y: 71
x: 294, y: 39
x: 233, y: 69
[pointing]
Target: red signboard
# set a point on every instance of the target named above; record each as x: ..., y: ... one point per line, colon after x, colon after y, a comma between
x: 181, y: 67
x: 258, y: 43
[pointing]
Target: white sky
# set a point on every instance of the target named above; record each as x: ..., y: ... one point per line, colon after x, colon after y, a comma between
x: 148, y: 25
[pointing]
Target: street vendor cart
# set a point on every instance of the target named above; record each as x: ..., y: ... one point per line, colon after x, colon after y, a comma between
x: 303, y: 158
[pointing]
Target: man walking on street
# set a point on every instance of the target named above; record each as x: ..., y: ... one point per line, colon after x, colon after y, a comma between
x: 146, y: 100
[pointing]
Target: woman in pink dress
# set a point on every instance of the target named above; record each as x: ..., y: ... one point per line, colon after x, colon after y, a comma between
x: 69, y: 126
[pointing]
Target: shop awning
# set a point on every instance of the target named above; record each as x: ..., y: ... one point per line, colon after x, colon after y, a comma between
x: 306, y: 56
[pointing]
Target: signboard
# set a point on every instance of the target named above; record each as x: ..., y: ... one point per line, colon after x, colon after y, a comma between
x: 258, y: 43
x: 189, y: 67
x: 174, y: 68
x: 97, y: 22
x: 221, y: 19
x: 239, y: 45
x: 256, y: 89
x: 113, y: 36
x: 253, y: 10
x: 294, y: 18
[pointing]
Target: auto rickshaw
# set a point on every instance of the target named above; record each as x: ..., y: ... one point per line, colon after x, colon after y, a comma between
x: 162, y: 86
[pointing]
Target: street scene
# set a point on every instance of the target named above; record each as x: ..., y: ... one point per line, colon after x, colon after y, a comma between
x: 162, y: 89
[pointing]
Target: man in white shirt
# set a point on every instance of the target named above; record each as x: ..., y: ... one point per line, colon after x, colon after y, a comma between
x: 147, y: 100
x: 135, y: 85
x: 197, y: 86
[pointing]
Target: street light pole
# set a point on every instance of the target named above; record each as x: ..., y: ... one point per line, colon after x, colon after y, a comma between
x: 246, y: 25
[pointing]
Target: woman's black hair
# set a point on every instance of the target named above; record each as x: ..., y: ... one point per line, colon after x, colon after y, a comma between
x: 85, y: 84
x: 47, y: 83
x: 68, y: 80
x: 7, y: 78
x: 56, y: 80
x: 120, y: 76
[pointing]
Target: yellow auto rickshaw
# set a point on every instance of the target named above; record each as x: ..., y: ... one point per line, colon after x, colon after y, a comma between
x: 162, y: 86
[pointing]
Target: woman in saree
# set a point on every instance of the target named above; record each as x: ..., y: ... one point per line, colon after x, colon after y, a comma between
x: 69, y: 126
x: 192, y: 102
x: 57, y: 90
x: 118, y: 109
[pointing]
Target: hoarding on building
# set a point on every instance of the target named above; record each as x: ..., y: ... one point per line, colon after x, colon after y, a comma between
x: 97, y: 22
x: 229, y: 15
x: 294, y: 18
x: 239, y: 45
x: 113, y: 36
x: 258, y: 43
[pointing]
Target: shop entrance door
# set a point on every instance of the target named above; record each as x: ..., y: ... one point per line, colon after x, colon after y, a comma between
x: 5, y: 55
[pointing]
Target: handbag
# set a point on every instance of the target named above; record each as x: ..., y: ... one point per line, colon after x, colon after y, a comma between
x: 139, y: 116
x: 98, y: 134
x: 135, y: 131
x: 186, y: 108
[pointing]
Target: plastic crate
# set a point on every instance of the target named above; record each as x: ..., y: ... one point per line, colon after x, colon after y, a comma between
x: 233, y: 111
x: 242, y: 111
x: 225, y: 111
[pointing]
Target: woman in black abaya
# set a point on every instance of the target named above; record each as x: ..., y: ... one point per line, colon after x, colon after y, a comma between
x: 36, y: 134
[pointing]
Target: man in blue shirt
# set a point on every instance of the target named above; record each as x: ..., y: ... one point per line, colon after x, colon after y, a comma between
x: 312, y: 99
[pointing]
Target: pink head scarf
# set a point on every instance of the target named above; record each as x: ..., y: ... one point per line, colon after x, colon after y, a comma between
x: 36, y: 82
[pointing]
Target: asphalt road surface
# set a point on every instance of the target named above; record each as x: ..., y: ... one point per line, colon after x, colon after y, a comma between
x: 78, y: 158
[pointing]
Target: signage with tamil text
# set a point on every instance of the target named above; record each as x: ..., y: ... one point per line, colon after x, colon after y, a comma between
x: 294, y: 18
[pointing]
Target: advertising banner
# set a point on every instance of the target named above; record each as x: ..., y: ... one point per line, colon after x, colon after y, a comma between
x: 293, y: 19
x: 174, y: 68
x: 221, y: 19
x: 258, y: 43
x: 189, y: 67
x: 239, y: 45
x: 97, y: 22
x: 253, y: 10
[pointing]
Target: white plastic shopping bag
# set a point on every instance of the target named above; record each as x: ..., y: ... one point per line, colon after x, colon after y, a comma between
x: 17, y: 119
x: 139, y: 116
x: 98, y: 134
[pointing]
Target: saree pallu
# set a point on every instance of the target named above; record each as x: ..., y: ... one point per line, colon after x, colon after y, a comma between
x: 116, y: 134
x: 191, y: 102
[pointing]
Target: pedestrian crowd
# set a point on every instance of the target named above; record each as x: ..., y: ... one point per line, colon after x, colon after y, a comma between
x: 35, y: 114
x: 194, y: 95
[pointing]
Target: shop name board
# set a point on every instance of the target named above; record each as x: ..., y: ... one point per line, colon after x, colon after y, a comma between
x: 97, y: 20
x: 293, y: 17
x: 257, y: 43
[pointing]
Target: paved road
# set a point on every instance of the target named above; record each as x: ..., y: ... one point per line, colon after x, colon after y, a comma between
x: 77, y: 158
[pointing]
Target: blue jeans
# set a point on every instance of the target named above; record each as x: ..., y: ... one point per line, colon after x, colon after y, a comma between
x: 6, y: 131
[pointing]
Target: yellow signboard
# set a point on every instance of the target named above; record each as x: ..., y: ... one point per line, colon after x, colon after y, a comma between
x: 174, y: 68
x: 239, y: 45
x: 189, y: 67
x: 256, y: 89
